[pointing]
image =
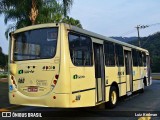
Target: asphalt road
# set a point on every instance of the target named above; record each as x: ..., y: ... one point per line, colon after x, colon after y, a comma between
x: 4, y: 93
x: 148, y: 101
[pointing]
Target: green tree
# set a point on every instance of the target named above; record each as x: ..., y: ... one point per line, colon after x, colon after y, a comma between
x: 72, y: 21
x: 152, y: 44
x: 30, y: 12
x: 51, y: 11
x: 66, y: 6
x: 18, y: 11
x: 3, y: 59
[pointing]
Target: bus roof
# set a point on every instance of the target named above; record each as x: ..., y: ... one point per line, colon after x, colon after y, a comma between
x: 76, y: 29
x: 92, y: 34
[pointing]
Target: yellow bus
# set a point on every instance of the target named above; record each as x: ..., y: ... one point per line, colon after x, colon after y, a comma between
x: 59, y: 65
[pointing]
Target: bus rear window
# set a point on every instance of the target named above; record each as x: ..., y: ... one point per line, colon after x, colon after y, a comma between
x: 35, y: 44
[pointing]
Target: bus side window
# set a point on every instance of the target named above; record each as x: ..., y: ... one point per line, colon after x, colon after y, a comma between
x: 109, y: 51
x: 135, y: 57
x: 144, y: 59
x: 80, y: 50
x: 119, y: 55
x: 77, y: 57
x: 140, y: 60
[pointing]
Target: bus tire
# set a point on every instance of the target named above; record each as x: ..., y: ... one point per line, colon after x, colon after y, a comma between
x: 145, y: 81
x: 141, y: 90
x: 113, y: 97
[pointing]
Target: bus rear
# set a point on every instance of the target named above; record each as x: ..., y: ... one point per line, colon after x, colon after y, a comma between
x: 35, y: 67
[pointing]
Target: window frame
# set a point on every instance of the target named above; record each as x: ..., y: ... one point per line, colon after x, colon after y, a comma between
x: 144, y: 59
x: 117, y: 56
x: 137, y: 63
x: 105, y: 42
x: 56, y: 46
x: 91, y: 52
x: 140, y: 59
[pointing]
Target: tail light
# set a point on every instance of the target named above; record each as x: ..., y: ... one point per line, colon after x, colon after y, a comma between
x: 54, y: 97
x: 56, y: 76
x: 55, y: 82
x: 13, y: 81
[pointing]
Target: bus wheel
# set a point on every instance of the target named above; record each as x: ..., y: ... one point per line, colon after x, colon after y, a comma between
x: 141, y: 90
x: 113, y: 97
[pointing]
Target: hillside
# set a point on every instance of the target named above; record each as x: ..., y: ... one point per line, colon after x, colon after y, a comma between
x: 125, y: 39
x: 152, y: 44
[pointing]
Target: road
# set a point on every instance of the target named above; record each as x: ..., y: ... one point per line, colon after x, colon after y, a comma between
x: 4, y: 93
x: 142, y: 102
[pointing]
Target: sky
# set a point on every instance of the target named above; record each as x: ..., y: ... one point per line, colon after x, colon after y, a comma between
x: 109, y: 17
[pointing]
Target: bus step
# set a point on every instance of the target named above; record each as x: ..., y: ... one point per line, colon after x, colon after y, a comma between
x: 129, y: 93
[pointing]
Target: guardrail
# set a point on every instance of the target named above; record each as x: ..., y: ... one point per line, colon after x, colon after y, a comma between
x: 156, y: 76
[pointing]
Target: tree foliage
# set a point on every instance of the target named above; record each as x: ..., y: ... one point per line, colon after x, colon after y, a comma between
x: 152, y: 44
x: 72, y: 21
x: 28, y: 12
x: 3, y: 59
x: 66, y: 6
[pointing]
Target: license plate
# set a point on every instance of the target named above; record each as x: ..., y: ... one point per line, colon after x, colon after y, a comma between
x: 32, y: 89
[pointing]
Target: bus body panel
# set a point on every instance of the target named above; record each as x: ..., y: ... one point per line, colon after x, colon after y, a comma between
x: 117, y: 75
x: 41, y: 77
x: 62, y: 100
x: 76, y: 85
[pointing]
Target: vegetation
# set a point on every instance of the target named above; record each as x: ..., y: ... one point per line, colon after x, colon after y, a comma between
x: 66, y: 6
x: 3, y: 76
x: 72, y: 21
x: 152, y: 44
x: 30, y: 12
x: 3, y: 60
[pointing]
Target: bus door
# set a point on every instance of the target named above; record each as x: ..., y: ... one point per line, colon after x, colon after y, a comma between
x: 99, y: 72
x: 128, y: 69
x: 148, y: 70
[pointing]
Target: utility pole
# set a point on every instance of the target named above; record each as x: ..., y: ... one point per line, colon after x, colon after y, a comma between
x: 140, y: 27
x: 139, y: 42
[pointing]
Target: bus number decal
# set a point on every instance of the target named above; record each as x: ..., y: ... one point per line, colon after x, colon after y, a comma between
x: 21, y: 80
x: 120, y: 73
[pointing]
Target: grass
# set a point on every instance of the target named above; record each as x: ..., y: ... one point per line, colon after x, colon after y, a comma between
x: 3, y: 76
x: 156, y: 77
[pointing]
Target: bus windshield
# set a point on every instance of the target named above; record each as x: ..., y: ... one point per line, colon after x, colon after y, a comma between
x: 35, y: 44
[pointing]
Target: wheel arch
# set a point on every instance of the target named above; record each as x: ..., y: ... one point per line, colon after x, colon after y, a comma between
x: 115, y: 84
x: 145, y: 81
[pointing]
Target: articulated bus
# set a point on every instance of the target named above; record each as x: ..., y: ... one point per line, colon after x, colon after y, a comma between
x: 59, y: 65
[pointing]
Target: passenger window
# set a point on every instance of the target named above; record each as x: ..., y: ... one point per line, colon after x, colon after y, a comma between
x: 109, y: 54
x: 144, y: 59
x: 119, y: 55
x: 80, y: 50
x: 140, y: 63
x: 135, y: 57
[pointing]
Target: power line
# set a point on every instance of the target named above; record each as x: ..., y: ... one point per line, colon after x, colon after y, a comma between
x: 154, y: 24
x: 138, y: 27
x: 133, y: 30
x: 128, y: 32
